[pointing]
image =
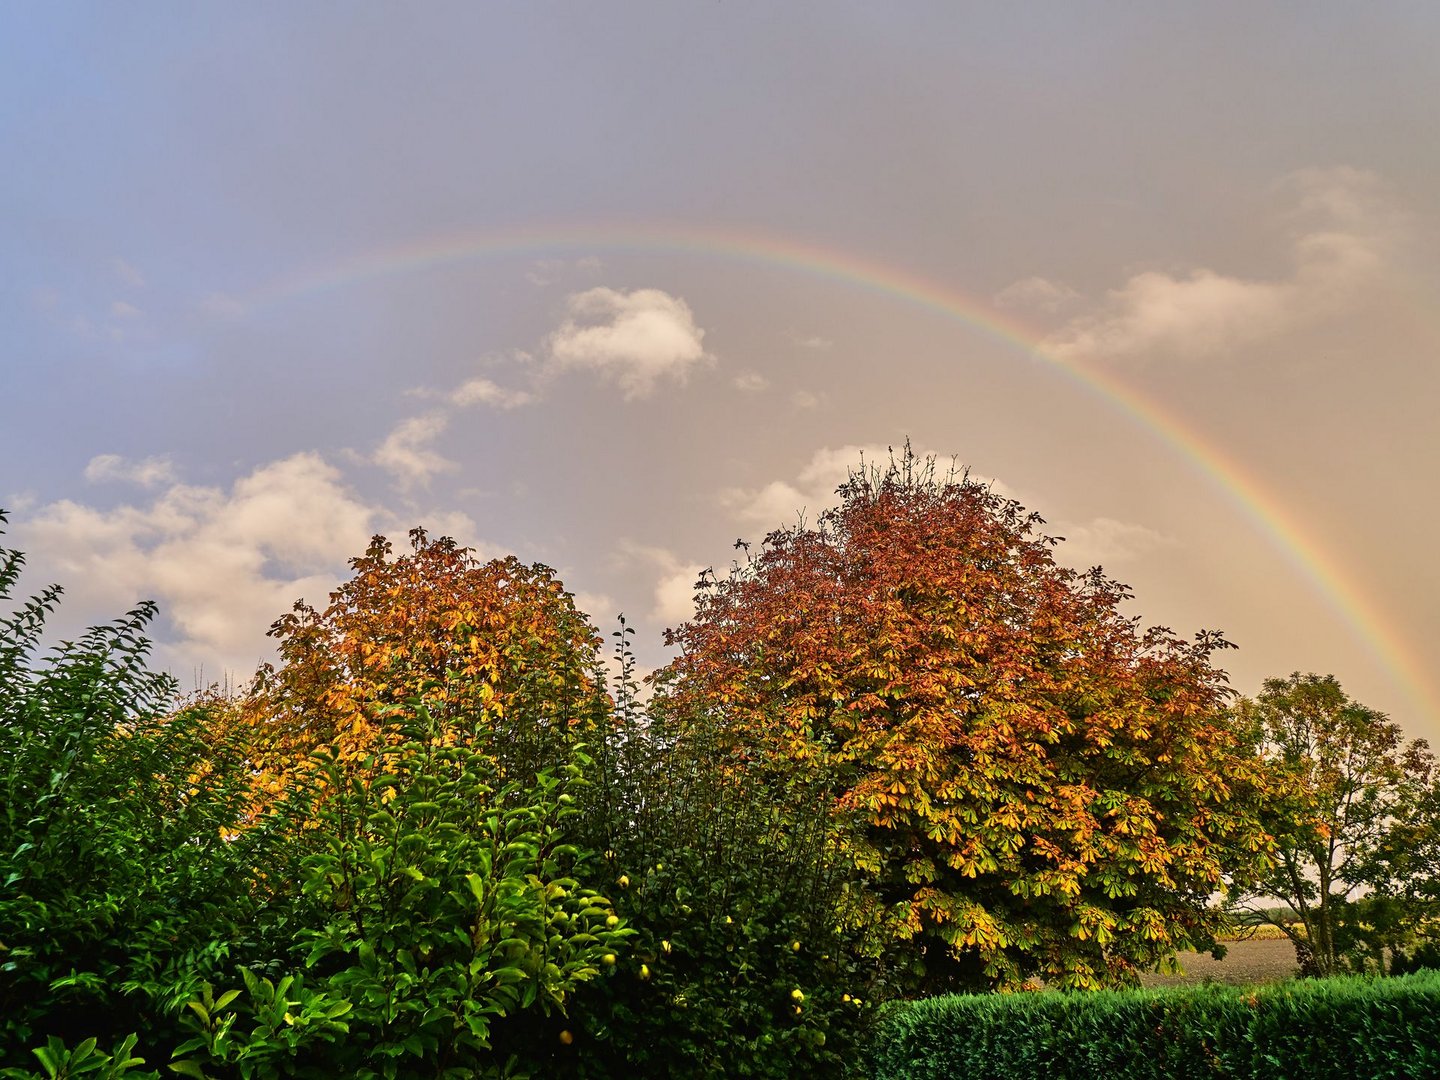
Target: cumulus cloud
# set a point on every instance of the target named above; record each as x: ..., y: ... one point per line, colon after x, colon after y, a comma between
x: 1098, y: 541
x: 147, y: 472
x: 1036, y: 294
x: 635, y: 339
x: 222, y: 563
x: 1104, y: 541
x: 481, y: 391
x: 750, y: 382
x: 674, y: 590
x: 1341, y: 231
x: 781, y: 502
x: 406, y: 452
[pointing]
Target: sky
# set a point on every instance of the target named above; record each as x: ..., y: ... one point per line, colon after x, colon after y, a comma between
x: 609, y: 286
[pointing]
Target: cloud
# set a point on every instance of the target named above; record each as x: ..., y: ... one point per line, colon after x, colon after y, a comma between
x: 635, y: 339
x: 804, y: 399
x: 406, y: 452
x: 674, y: 590
x: 1036, y: 294
x: 222, y: 563
x: 129, y: 274
x: 816, y: 342
x: 1105, y: 541
x: 148, y: 472
x: 481, y: 391
x: 122, y: 310
x: 1342, y: 232
x: 750, y: 382
x: 781, y: 502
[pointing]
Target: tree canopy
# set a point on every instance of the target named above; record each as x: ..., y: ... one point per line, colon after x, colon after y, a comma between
x: 1045, y: 788
x: 498, y: 650
x: 1353, y: 807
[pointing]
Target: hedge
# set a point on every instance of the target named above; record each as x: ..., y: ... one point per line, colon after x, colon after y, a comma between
x: 1304, y: 1030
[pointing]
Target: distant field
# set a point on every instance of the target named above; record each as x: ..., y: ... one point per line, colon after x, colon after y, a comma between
x: 1245, y: 962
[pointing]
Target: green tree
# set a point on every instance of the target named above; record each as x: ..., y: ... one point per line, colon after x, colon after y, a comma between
x: 1044, y: 788
x: 1353, y: 808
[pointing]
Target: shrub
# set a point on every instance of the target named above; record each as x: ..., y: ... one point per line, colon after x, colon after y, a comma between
x: 117, y: 890
x: 1309, y: 1030
x: 749, y: 957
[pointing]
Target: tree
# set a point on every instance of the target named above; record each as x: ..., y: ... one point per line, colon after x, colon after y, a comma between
x: 1044, y: 788
x: 498, y: 650
x: 1354, y: 812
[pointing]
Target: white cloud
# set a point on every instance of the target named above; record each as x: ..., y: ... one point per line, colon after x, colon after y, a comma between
x: 1036, y: 294
x: 128, y: 273
x: 750, y: 382
x: 601, y: 608
x: 815, y: 341
x: 481, y: 391
x: 635, y: 339
x: 780, y: 502
x: 147, y: 472
x: 674, y: 590
x: 122, y: 310
x: 805, y: 399
x: 406, y: 452
x: 1342, y: 233
x: 1105, y: 541
x: 223, y: 564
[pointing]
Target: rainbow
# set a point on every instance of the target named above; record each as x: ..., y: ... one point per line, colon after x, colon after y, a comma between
x: 1267, y: 512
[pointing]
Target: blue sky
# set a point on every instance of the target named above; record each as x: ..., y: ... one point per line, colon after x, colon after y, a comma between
x: 1230, y: 209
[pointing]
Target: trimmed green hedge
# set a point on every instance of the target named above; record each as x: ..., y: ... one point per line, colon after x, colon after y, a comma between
x: 1308, y: 1030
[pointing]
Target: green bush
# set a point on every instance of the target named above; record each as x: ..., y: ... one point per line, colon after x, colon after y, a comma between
x: 117, y: 888
x: 1307, y: 1030
x: 433, y: 905
x: 749, y: 958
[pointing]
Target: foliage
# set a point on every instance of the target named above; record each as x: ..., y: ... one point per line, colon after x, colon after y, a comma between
x: 437, y: 904
x: 117, y: 890
x: 59, y: 1062
x: 1331, y: 1029
x: 1045, y: 789
x: 497, y: 649
x: 748, y: 960
x: 1353, y: 808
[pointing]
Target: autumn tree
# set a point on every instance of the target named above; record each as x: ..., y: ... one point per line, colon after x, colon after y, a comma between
x: 1353, y: 808
x: 1045, y: 789
x: 498, y: 651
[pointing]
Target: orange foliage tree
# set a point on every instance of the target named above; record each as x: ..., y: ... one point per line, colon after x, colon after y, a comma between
x: 1043, y: 789
x: 498, y: 650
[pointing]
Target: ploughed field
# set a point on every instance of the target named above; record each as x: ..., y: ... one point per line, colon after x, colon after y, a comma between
x: 1253, y: 961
